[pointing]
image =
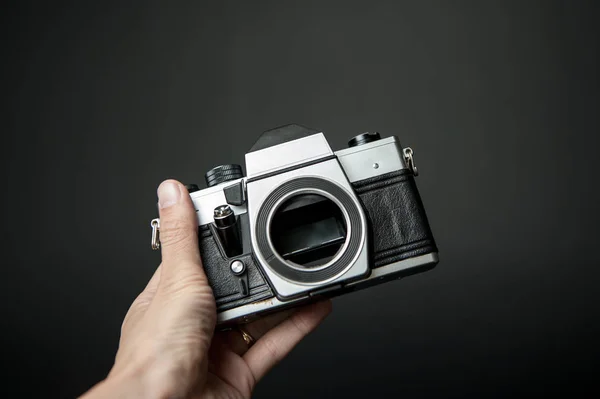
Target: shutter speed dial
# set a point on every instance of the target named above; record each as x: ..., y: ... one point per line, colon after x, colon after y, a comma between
x: 363, y: 138
x: 222, y: 174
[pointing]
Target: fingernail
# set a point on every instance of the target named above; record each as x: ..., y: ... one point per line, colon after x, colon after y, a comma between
x: 168, y: 194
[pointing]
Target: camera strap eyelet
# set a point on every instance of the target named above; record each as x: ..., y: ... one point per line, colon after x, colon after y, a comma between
x: 155, y: 233
x: 408, y: 157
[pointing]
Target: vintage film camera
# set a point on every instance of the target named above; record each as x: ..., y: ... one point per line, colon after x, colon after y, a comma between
x: 307, y: 223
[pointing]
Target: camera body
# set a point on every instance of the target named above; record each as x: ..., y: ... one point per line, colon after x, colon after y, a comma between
x: 307, y: 223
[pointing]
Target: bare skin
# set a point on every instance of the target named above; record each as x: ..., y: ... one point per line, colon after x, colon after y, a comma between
x: 168, y: 346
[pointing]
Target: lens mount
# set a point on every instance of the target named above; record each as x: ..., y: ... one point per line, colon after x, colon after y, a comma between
x: 344, y: 258
x: 291, y: 195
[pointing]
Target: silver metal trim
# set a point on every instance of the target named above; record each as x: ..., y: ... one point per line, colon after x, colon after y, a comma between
x: 249, y: 309
x: 372, y: 159
x: 398, y: 266
x: 287, y: 154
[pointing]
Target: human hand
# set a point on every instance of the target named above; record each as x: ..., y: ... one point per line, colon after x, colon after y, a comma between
x: 168, y: 346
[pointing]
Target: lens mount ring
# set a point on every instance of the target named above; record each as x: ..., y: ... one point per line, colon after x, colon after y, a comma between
x: 298, y: 192
x: 345, y: 257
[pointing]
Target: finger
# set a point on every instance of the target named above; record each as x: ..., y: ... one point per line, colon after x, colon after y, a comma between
x: 178, y: 230
x: 234, y: 339
x: 277, y: 343
x: 228, y: 347
x: 229, y: 367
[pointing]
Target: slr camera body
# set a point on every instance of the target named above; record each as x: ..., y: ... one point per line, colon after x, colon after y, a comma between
x: 307, y: 223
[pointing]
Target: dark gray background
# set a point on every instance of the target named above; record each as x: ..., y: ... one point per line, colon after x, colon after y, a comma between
x: 499, y: 100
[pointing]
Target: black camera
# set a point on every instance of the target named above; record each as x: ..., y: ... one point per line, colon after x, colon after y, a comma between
x: 307, y: 223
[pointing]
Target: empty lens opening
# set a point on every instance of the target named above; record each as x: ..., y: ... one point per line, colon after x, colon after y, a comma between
x: 308, y: 230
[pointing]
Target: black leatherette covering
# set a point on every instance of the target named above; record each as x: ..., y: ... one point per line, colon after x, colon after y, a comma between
x: 398, y: 223
x: 224, y: 284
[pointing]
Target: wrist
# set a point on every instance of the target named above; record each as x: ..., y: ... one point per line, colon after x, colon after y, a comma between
x: 146, y: 382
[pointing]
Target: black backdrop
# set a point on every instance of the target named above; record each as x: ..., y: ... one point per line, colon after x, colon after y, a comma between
x: 499, y: 100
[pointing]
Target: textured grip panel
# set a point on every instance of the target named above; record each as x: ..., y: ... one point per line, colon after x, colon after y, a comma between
x: 224, y: 285
x: 397, y: 218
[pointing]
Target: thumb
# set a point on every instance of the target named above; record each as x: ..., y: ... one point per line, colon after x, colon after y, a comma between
x: 178, y: 231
